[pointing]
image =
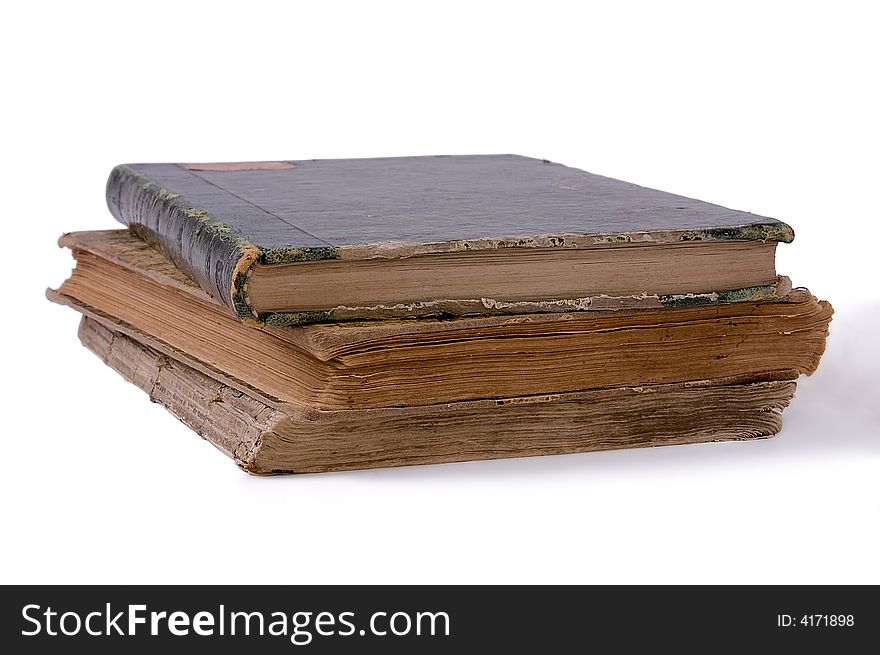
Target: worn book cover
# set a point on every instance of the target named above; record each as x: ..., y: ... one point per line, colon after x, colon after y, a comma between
x: 266, y: 435
x: 292, y: 242
x: 369, y: 364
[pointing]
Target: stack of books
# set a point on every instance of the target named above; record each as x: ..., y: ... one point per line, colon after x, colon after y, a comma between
x: 308, y: 316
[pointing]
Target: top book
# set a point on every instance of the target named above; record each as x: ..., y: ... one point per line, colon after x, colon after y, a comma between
x: 292, y: 242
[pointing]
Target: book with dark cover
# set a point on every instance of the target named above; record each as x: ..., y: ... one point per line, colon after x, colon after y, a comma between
x: 293, y: 242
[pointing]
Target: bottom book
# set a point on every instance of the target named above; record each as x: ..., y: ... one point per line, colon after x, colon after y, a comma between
x: 266, y: 436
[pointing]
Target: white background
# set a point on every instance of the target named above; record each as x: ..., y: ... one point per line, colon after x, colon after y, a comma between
x: 767, y: 107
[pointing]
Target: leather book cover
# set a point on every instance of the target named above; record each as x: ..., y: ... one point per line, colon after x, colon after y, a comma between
x: 215, y: 221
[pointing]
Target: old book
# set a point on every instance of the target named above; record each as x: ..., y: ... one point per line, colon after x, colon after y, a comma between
x: 265, y: 435
x: 293, y: 242
x: 122, y: 281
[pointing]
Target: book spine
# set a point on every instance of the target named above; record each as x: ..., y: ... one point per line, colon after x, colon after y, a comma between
x: 199, y: 244
x: 232, y: 421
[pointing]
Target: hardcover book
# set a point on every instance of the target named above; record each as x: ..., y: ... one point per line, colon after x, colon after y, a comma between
x: 264, y: 435
x: 296, y: 242
x: 360, y: 365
